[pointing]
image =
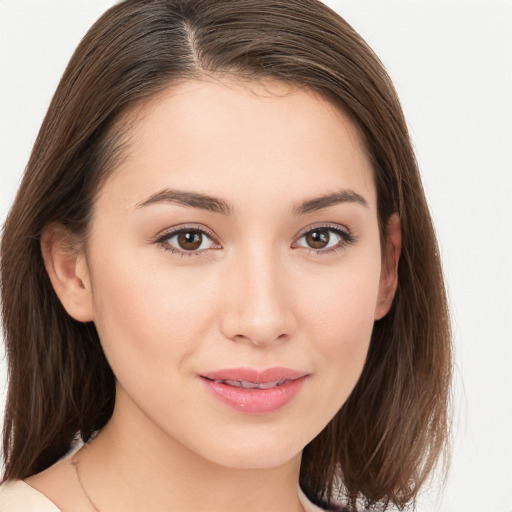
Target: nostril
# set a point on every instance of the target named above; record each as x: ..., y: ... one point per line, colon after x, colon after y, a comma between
x: 251, y: 316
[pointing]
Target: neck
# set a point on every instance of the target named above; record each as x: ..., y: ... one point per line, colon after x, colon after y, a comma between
x: 133, y: 465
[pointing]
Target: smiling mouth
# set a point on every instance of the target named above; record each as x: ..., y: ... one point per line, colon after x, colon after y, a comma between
x: 253, y: 392
x: 244, y: 384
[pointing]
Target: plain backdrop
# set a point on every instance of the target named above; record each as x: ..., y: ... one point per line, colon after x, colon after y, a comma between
x: 451, y: 62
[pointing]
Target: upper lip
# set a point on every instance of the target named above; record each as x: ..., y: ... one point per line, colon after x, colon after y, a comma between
x: 255, y: 375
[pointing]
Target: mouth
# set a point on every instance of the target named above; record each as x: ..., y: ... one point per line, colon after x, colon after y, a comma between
x: 275, y: 375
x: 253, y: 391
x: 251, y: 385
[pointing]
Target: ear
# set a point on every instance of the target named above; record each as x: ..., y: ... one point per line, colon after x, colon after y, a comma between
x: 67, y: 268
x: 389, y: 273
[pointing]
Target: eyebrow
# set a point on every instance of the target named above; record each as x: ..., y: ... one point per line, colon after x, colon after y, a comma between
x: 319, y: 203
x: 191, y: 199
x: 216, y: 205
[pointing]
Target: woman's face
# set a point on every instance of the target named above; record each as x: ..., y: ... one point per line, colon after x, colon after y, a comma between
x: 234, y: 266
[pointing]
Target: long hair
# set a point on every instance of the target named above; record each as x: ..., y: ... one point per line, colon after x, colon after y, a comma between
x: 389, y: 435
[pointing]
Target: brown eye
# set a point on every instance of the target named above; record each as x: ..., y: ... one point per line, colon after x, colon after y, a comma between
x: 325, y: 239
x: 187, y: 241
x: 190, y: 240
x: 318, y: 238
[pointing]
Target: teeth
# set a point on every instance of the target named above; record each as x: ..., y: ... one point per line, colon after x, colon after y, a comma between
x: 252, y: 385
x: 249, y: 385
x: 268, y: 385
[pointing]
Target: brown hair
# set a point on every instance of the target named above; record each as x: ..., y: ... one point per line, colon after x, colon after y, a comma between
x: 388, y: 436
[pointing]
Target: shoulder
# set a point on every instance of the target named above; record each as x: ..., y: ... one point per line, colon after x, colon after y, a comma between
x: 18, y: 496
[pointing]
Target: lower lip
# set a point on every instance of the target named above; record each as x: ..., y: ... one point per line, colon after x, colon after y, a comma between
x: 255, y: 401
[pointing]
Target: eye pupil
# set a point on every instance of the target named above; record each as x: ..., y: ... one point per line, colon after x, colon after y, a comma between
x: 190, y: 240
x: 318, y: 238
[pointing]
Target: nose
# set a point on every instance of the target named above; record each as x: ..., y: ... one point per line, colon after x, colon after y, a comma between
x: 257, y: 306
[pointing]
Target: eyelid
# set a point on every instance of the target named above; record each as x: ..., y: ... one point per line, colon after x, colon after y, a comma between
x: 183, y: 227
x: 324, y: 225
x: 340, y: 230
x: 168, y: 233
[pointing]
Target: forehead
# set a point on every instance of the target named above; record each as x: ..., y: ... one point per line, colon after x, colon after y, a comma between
x: 242, y: 140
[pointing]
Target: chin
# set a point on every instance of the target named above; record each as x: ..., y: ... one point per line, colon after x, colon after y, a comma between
x: 255, y: 451
x: 259, y: 459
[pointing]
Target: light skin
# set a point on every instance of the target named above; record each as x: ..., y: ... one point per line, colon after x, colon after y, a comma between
x: 240, y: 230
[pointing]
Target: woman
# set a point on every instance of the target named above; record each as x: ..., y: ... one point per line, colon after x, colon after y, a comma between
x: 221, y: 274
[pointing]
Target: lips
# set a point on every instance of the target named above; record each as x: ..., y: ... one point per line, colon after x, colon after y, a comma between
x: 253, y: 375
x: 252, y: 385
x: 253, y: 391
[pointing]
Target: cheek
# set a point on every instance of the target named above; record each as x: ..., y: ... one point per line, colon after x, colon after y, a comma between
x: 340, y: 319
x: 148, y: 316
x: 343, y: 302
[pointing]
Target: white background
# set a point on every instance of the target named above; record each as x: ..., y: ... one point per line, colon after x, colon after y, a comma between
x: 452, y: 65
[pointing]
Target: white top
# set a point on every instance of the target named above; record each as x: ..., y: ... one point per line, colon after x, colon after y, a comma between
x: 18, y: 496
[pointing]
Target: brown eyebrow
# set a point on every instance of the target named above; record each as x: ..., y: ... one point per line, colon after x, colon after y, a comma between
x: 318, y: 203
x: 215, y: 205
x: 192, y: 199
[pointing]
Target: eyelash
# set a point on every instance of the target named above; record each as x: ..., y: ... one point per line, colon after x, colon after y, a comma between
x: 163, y: 240
x: 346, y: 238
